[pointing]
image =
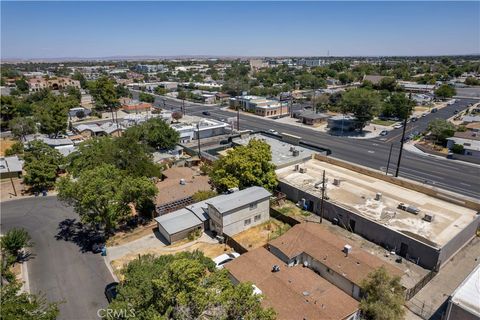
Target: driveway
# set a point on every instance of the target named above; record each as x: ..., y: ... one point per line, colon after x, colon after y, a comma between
x: 59, y: 268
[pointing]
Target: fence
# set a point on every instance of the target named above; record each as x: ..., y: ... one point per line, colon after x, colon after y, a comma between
x: 229, y: 241
x: 174, y: 205
x: 285, y: 219
x: 420, y: 284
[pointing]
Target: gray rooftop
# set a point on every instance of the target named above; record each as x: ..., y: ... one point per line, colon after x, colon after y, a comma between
x: 200, y: 210
x: 11, y: 164
x: 178, y: 221
x: 281, y: 153
x: 227, y: 202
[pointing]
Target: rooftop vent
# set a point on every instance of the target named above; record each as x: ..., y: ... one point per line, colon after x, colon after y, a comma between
x: 347, y: 249
x: 429, y: 217
x: 378, y: 196
x: 275, y: 268
x: 303, y: 170
x: 182, y: 182
x: 295, y: 153
x: 297, y: 166
x: 336, y: 182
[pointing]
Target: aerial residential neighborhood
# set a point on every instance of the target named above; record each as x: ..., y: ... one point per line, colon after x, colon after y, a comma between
x: 240, y: 160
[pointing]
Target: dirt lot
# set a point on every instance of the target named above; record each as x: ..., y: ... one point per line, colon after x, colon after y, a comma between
x: 258, y: 236
x: 211, y: 250
x: 127, y: 236
x: 289, y: 208
x: 6, y: 189
x: 4, y: 145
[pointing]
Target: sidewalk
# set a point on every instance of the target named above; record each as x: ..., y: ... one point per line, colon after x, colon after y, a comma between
x: 410, y: 147
x: 434, y: 295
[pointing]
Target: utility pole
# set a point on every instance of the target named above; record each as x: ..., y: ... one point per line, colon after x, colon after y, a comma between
x: 11, y: 180
x: 403, y: 136
x: 238, y: 114
x: 389, y: 156
x: 198, y: 138
x: 323, y: 197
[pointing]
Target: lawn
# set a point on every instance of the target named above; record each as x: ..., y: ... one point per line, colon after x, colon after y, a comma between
x: 289, y: 208
x: 386, y: 123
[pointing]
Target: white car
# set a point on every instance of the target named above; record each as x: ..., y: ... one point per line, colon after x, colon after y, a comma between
x: 225, y: 258
x: 273, y: 131
x: 397, y: 126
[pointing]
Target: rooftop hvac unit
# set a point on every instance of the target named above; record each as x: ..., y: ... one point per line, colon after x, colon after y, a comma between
x: 297, y: 166
x: 347, y: 249
x: 295, y: 153
x: 303, y: 170
x: 336, y: 182
x: 232, y: 190
x: 378, y: 196
x: 318, y: 184
x: 292, y: 148
x: 182, y: 182
x: 275, y: 268
x: 429, y: 217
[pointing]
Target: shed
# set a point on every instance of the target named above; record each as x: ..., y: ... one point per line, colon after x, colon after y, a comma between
x: 177, y: 225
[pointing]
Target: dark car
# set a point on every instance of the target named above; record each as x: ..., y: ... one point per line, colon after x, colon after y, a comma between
x: 455, y: 111
x: 97, y: 243
x: 206, y: 113
x: 111, y: 291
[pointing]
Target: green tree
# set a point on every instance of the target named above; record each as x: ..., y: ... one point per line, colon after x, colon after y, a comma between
x: 77, y: 75
x: 387, y: 83
x: 15, y: 240
x: 22, y: 85
x: 441, y: 129
x: 363, y: 103
x: 41, y: 165
x: 123, y: 91
x: 15, y: 149
x: 102, y: 195
x: 20, y: 305
x: 104, y: 93
x: 145, y: 97
x: 383, y: 296
x: 52, y: 114
x: 202, y: 195
x: 472, y: 81
x: 445, y: 91
x: 154, y: 132
x: 125, y: 153
x: 22, y: 126
x: 397, y: 105
x: 458, y: 149
x: 180, y: 286
x: 245, y: 166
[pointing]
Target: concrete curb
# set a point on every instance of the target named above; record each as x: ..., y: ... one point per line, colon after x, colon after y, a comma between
x: 25, y: 280
x: 411, y: 148
x: 109, y: 267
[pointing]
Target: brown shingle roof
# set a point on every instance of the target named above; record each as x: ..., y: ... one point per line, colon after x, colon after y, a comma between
x: 327, y: 248
x: 294, y: 292
x: 472, y: 135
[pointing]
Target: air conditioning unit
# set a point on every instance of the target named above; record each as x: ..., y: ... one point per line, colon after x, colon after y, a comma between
x: 297, y: 166
x: 378, y: 196
x: 295, y: 153
x: 303, y: 170
x: 336, y: 182
x: 318, y: 184
x: 429, y: 217
x: 347, y: 249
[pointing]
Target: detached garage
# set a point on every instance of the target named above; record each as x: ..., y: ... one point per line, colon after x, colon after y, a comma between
x: 177, y: 225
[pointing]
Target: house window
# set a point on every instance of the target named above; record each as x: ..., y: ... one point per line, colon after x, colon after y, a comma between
x: 247, y: 222
x: 253, y: 206
x: 257, y: 217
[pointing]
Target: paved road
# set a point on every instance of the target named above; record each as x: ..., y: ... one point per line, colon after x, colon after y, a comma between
x: 58, y: 268
x: 446, y: 174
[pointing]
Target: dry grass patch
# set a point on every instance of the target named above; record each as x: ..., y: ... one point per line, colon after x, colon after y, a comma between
x: 258, y: 236
x: 4, y: 145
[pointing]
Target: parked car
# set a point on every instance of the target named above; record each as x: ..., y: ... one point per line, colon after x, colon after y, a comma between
x: 206, y: 113
x: 273, y: 131
x: 424, y: 114
x: 414, y: 119
x: 111, y: 291
x: 383, y: 132
x: 397, y: 126
x: 96, y: 243
x: 455, y: 111
x: 434, y: 110
x: 225, y: 258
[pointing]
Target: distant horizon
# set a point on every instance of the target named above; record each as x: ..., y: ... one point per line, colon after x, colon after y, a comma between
x: 101, y: 30
x: 220, y: 57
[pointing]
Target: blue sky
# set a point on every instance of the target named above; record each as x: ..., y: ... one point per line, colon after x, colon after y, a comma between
x: 101, y: 29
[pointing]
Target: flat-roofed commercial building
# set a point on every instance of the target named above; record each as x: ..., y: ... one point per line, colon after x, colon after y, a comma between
x: 260, y: 106
x: 423, y: 224
x: 295, y: 293
x: 464, y: 303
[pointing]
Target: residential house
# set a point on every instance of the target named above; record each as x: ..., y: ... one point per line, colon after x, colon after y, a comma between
x: 464, y: 303
x: 10, y: 167
x: 312, y: 118
x: 224, y: 214
x: 345, y: 265
x: 39, y: 83
x: 95, y: 129
x: 295, y: 293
